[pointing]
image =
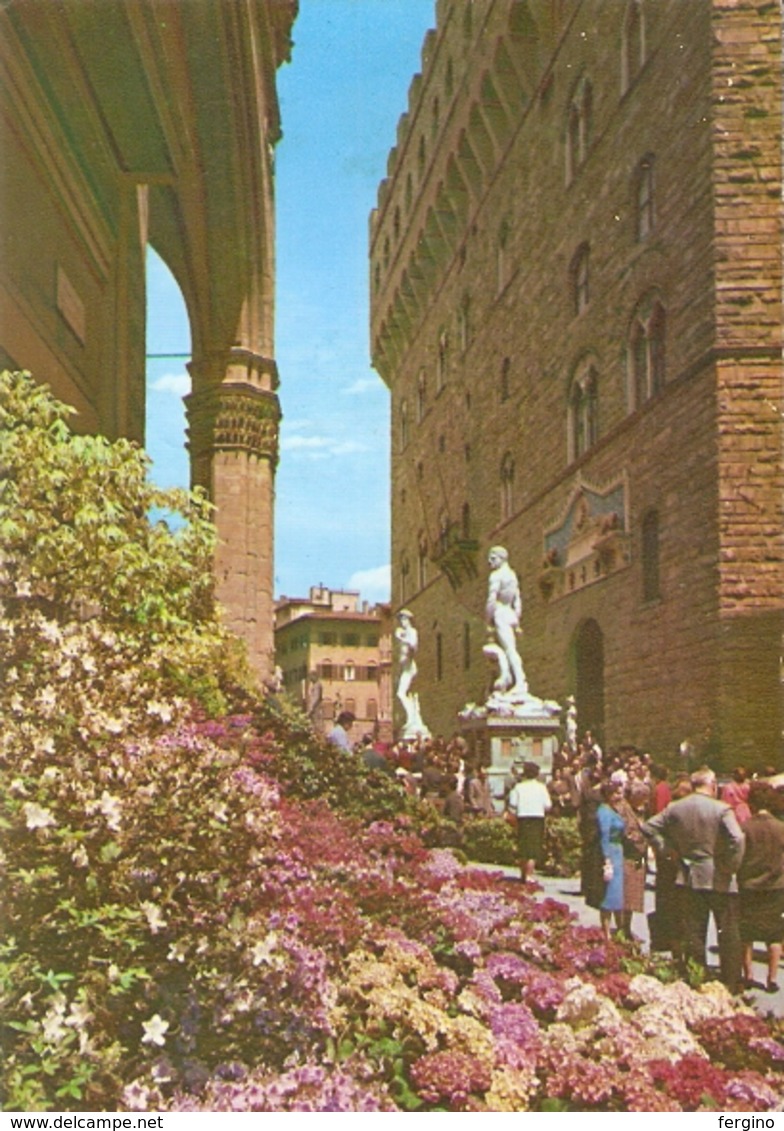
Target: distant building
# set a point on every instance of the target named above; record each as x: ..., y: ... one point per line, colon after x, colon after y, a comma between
x: 576, y: 302
x: 132, y: 122
x: 336, y: 655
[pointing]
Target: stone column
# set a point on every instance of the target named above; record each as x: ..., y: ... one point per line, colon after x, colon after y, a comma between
x: 233, y: 441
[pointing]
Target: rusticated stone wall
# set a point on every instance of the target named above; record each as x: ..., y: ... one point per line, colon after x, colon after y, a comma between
x: 524, y: 144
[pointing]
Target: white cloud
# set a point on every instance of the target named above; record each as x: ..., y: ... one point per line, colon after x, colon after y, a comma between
x: 321, y: 447
x: 360, y: 386
x: 349, y: 447
x: 298, y: 443
x: 177, y: 383
x: 374, y: 584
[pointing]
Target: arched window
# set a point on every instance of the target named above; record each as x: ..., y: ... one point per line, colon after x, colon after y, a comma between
x: 579, y: 128
x: 350, y: 705
x: 372, y: 710
x: 656, y: 343
x: 449, y: 78
x: 583, y: 411
x: 632, y: 44
x: 372, y: 673
x: 443, y: 530
x: 403, y: 425
x: 421, y: 395
x: 651, y: 589
x: 643, y: 198
x: 506, y: 384
x: 579, y: 278
x: 638, y: 351
x: 349, y: 671
x: 405, y: 571
x: 572, y: 143
x: 507, y: 486
x: 646, y: 352
x: 422, y: 559
x: 502, y: 257
x: 442, y: 363
x: 586, y: 119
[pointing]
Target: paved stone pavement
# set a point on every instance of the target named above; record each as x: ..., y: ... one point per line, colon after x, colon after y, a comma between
x: 567, y: 890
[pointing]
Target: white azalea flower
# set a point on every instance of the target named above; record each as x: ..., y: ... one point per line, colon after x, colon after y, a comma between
x: 46, y: 700
x: 264, y: 951
x: 155, y: 920
x: 79, y: 1015
x: 163, y: 711
x: 50, y: 630
x: 111, y: 809
x: 80, y: 857
x: 177, y: 952
x: 53, y: 1027
x: 36, y: 817
x: 155, y: 1031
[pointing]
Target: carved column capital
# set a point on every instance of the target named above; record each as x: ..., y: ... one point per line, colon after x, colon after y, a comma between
x: 233, y: 417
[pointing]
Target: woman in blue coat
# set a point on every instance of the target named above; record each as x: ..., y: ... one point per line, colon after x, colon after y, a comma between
x: 611, y: 827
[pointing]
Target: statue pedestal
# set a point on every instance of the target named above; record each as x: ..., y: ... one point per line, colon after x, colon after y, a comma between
x: 527, y: 731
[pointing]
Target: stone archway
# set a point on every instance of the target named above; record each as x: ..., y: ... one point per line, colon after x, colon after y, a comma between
x: 589, y: 677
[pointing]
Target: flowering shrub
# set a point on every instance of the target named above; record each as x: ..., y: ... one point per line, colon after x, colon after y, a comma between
x: 211, y: 911
x: 450, y: 1078
x: 561, y: 846
x: 490, y: 841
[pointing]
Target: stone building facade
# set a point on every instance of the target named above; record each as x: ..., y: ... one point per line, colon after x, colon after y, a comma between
x: 576, y: 303
x: 335, y: 654
x: 128, y: 122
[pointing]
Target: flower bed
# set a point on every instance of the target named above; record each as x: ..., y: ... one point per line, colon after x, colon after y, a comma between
x: 226, y: 947
x: 224, y: 914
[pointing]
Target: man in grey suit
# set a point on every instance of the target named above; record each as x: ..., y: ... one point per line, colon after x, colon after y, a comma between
x: 707, y: 840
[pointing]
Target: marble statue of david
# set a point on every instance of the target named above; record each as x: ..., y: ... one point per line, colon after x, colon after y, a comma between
x: 502, y: 613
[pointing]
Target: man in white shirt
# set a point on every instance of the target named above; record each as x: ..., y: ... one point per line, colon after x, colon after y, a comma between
x: 530, y: 802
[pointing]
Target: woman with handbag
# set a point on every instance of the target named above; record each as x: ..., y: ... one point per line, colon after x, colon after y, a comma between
x: 611, y: 825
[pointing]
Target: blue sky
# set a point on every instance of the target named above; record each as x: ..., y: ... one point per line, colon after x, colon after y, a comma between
x: 341, y: 97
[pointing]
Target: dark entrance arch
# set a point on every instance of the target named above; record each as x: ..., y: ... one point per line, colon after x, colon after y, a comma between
x: 589, y: 677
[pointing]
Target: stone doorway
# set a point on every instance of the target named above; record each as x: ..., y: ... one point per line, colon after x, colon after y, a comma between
x: 589, y: 678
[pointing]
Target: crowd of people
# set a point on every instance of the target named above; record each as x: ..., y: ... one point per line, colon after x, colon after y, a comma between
x: 708, y: 849
x: 713, y: 850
